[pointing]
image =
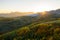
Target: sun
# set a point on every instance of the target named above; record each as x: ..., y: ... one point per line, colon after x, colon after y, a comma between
x: 42, y: 8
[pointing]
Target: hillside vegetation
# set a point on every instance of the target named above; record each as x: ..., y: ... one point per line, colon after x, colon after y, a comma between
x: 42, y: 31
x: 40, y: 26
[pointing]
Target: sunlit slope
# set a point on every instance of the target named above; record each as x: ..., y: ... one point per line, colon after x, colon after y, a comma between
x: 39, y: 31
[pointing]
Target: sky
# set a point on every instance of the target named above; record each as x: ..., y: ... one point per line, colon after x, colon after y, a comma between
x: 28, y: 5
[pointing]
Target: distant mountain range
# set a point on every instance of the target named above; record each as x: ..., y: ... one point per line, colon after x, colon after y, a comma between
x: 17, y: 14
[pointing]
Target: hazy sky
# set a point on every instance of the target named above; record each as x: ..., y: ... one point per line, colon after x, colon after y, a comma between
x: 28, y: 5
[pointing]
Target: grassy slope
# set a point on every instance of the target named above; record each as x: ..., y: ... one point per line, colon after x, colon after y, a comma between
x: 46, y: 30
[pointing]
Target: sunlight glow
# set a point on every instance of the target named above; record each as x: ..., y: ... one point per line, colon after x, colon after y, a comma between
x: 44, y: 13
x: 7, y: 6
x: 35, y: 8
x: 42, y: 8
x: 5, y: 11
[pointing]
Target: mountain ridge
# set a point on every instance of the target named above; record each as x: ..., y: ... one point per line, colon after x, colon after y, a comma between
x: 17, y: 14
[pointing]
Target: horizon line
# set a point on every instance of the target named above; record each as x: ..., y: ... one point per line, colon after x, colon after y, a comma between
x: 7, y: 11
